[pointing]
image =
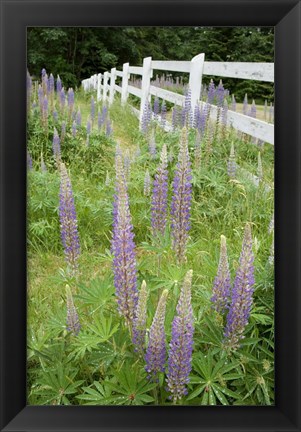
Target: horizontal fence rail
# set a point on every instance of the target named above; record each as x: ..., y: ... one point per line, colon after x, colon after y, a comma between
x: 106, y: 87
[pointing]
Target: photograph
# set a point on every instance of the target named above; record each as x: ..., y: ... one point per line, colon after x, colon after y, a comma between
x: 150, y: 216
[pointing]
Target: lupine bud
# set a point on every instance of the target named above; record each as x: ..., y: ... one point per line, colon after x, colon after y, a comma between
x: 139, y: 323
x: 156, y: 107
x: 211, y: 92
x: 232, y: 163
x: 259, y: 168
x: 159, y: 199
x: 222, y: 282
x: 242, y: 294
x: 156, y: 350
x: 51, y: 84
x: 147, y: 183
x: 63, y: 131
x: 123, y: 248
x: 58, y: 85
x: 220, y: 94
x: 181, y: 344
x: 73, y: 324
x: 68, y: 221
x: 163, y: 114
x: 181, y: 200
x: 56, y: 146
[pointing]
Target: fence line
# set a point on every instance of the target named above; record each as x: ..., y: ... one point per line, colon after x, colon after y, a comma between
x: 196, y: 68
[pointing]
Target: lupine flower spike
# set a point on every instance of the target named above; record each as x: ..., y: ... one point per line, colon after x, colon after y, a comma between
x: 222, y: 282
x: 68, y: 222
x: 139, y: 323
x: 159, y: 198
x: 232, y: 163
x: 73, y: 324
x: 56, y: 146
x: 123, y: 248
x: 156, y: 350
x: 242, y: 294
x: 181, y: 344
x: 181, y: 200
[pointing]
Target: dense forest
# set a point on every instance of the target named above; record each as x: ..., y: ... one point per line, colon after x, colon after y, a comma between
x: 76, y: 53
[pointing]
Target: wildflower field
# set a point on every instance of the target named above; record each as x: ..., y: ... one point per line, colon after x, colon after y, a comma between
x: 150, y: 253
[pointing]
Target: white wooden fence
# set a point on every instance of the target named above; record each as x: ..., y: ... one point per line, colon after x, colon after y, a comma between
x: 106, y: 87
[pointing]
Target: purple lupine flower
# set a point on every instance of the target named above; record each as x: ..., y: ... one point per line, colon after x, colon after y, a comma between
x: 104, y: 113
x: 224, y: 113
x: 78, y: 118
x: 187, y: 112
x: 197, y: 119
x: 40, y: 97
x: 220, y: 94
x: 245, y: 105
x: 163, y: 114
x: 70, y: 96
x: 211, y: 92
x: 45, y: 111
x: 51, y: 84
x: 73, y: 325
x: 68, y: 222
x: 146, y: 118
x: 92, y: 109
x: 74, y: 129
x: 159, y: 198
x: 58, y: 85
x: 62, y: 99
x: 88, y: 126
x: 63, y: 131
x: 155, y: 357
x: 43, y: 73
x: 56, y: 146
x: 242, y: 294
x: 253, y: 110
x: 181, y: 344
x: 231, y: 165
x: 222, y: 283
x: 181, y: 200
x: 156, y: 107
x: 152, y: 144
x: 109, y: 129
x: 233, y: 103
x: 29, y: 161
x: 139, y: 322
x: 259, y: 168
x: 55, y: 116
x: 147, y: 183
x: 123, y: 249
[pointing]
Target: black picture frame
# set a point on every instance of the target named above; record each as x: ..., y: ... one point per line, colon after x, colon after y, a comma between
x: 15, y: 17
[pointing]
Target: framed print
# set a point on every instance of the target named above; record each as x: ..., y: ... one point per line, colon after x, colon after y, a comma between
x: 150, y: 163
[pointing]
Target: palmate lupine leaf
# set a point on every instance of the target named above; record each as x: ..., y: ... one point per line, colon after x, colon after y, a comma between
x: 95, y: 395
x: 99, y: 293
x: 103, y: 327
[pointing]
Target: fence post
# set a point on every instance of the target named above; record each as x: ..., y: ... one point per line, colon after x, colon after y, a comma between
x: 145, y: 85
x: 105, y: 86
x: 195, y: 79
x: 99, y: 87
x: 125, y: 83
x: 112, y: 85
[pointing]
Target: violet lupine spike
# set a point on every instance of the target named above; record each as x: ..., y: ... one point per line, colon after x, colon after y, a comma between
x: 220, y: 94
x: 56, y: 145
x: 74, y: 129
x: 139, y: 322
x: 242, y: 294
x: 159, y: 197
x: 197, y: 117
x: 72, y: 323
x: 181, y: 344
x: 58, y: 85
x: 70, y: 103
x: 45, y: 112
x: 156, y: 107
x: 211, y: 92
x: 259, y: 167
x: 51, y: 83
x: 222, y: 283
x: 45, y: 84
x: 181, y: 200
x: 187, y: 109
x: 68, y: 222
x: 146, y: 119
x: 224, y: 118
x: 78, y: 118
x: 40, y: 98
x: 163, y: 114
x: 245, y: 105
x: 62, y: 99
x: 155, y: 356
x: 147, y: 183
x: 231, y: 165
x: 99, y: 120
x: 123, y: 249
x: 55, y: 116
